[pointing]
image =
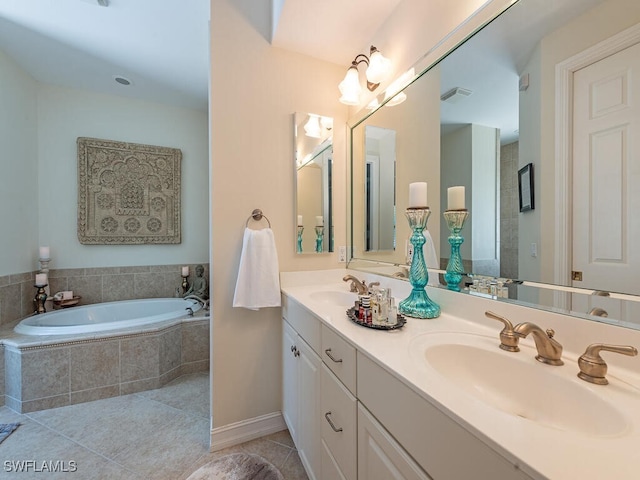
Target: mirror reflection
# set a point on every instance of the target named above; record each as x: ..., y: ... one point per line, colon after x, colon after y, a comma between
x: 313, y: 164
x: 547, y: 84
x: 380, y: 189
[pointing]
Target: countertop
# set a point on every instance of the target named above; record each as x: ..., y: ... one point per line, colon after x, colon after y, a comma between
x: 540, y: 450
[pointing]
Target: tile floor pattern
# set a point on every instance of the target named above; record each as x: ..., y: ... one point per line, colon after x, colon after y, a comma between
x: 159, y: 434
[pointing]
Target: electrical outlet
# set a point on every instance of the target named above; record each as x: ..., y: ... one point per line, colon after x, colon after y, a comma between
x: 534, y: 250
x: 342, y: 254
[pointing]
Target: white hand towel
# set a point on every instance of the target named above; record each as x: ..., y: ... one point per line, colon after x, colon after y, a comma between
x: 258, y: 283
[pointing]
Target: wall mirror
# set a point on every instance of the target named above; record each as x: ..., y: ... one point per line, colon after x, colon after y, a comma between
x: 313, y: 154
x: 547, y: 84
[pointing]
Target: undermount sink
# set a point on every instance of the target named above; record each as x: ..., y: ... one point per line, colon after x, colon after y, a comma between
x: 334, y: 297
x: 516, y: 384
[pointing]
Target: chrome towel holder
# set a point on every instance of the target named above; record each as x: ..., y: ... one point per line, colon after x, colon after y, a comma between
x: 257, y: 215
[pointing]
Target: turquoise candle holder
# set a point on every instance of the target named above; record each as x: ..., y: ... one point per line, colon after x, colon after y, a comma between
x: 300, y: 230
x: 319, y: 238
x: 418, y: 304
x: 455, y: 270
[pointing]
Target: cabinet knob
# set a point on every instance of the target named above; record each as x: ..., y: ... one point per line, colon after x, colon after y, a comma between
x: 335, y: 429
x: 328, y: 352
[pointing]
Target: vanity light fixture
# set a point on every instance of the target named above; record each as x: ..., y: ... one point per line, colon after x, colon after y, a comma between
x: 312, y: 128
x: 394, y: 91
x: 377, y: 69
x: 318, y: 126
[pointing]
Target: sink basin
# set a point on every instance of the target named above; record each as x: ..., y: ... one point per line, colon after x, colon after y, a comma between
x: 516, y: 384
x: 335, y: 297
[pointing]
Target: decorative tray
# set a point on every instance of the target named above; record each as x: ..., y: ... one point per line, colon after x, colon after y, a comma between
x: 352, y: 313
x: 70, y: 302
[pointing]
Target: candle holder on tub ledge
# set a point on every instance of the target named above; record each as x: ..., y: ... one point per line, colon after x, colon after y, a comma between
x: 40, y: 298
x: 455, y: 270
x: 319, y: 238
x: 418, y: 304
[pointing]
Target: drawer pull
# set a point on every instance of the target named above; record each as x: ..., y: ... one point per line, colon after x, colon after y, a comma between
x: 328, y: 352
x: 326, y: 415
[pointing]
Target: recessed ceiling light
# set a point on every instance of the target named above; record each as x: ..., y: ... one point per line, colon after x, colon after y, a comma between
x: 122, y: 80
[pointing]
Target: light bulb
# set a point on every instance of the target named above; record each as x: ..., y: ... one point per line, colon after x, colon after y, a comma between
x: 312, y: 127
x: 378, y: 67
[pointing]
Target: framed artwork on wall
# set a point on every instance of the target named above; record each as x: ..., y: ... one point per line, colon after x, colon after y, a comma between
x: 525, y: 188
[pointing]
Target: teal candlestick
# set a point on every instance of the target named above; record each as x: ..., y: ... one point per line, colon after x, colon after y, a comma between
x: 300, y: 230
x: 319, y: 238
x: 418, y: 304
x: 455, y: 270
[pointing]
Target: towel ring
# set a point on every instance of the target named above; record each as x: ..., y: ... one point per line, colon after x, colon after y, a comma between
x: 257, y: 215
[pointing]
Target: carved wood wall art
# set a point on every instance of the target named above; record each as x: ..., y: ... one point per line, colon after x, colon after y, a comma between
x: 128, y: 193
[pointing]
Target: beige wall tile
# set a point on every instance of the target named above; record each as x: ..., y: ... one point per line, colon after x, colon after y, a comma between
x: 89, y: 288
x: 94, y: 365
x: 117, y: 287
x: 195, y: 342
x: 136, y: 386
x: 170, y: 350
x: 45, y: 373
x: 156, y: 285
x: 43, y: 403
x: 10, y: 303
x: 139, y: 358
x: 94, y: 394
x: 13, y: 379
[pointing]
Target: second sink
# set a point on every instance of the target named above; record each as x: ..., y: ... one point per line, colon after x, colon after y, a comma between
x: 518, y: 386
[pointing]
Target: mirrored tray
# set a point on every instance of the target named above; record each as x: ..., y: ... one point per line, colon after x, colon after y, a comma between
x: 352, y: 313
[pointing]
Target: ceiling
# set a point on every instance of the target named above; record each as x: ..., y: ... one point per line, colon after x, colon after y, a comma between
x: 162, y: 46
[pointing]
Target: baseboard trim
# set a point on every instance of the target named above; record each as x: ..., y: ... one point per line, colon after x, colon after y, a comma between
x: 245, y: 430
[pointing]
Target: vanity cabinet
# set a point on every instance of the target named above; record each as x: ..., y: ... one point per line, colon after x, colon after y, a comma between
x: 301, y: 377
x: 380, y: 457
x: 438, y: 444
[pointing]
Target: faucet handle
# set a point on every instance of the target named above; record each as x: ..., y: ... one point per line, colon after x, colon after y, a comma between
x: 593, y: 368
x: 508, y: 339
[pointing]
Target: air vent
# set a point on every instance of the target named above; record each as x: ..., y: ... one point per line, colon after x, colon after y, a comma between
x: 455, y: 95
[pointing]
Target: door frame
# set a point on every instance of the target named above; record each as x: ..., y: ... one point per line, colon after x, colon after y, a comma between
x: 564, y: 145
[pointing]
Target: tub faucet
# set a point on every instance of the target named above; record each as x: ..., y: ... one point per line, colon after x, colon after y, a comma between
x: 201, y: 301
x: 356, y: 285
x: 549, y: 350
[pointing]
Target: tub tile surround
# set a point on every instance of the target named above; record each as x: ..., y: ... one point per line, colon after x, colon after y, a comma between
x: 524, y: 443
x: 54, y: 371
x: 93, y: 284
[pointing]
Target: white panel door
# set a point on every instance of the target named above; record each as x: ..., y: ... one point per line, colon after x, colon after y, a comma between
x: 606, y: 174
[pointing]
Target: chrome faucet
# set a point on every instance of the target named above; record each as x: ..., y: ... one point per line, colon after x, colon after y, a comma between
x: 356, y: 285
x: 201, y: 301
x: 549, y: 350
x: 593, y: 368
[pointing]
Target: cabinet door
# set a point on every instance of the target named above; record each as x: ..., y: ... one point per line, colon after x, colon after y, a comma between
x: 380, y: 457
x: 290, y: 380
x: 309, y: 409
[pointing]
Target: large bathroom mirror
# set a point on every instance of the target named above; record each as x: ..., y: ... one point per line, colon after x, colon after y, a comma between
x: 313, y: 163
x: 546, y: 84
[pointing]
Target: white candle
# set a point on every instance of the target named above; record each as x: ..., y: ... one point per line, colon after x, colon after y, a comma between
x: 41, y: 279
x: 185, y: 271
x: 319, y: 221
x: 455, y: 198
x: 299, y: 220
x: 45, y: 252
x: 418, y: 194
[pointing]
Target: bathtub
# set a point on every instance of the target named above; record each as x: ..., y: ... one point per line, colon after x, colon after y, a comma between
x: 102, y: 317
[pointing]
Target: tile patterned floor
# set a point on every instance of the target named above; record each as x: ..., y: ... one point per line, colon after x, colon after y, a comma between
x: 159, y: 434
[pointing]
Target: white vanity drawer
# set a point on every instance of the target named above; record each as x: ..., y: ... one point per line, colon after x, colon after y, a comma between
x: 339, y: 425
x: 305, y: 323
x: 340, y: 357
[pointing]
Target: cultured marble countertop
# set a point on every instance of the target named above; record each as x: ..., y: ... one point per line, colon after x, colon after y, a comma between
x: 542, y: 451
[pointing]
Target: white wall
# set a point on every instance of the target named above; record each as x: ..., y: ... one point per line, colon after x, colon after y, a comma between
x: 254, y: 90
x: 64, y: 115
x: 19, y: 169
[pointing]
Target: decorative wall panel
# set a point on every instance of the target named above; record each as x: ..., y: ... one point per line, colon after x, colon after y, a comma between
x: 128, y: 193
